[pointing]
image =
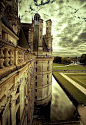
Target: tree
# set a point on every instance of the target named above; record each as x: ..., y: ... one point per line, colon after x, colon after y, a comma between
x: 68, y: 60
x: 83, y: 59
x: 57, y: 59
x: 64, y: 60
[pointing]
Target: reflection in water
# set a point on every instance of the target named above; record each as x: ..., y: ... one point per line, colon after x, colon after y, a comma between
x: 61, y: 107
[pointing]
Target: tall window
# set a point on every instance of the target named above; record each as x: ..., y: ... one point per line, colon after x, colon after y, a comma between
x: 35, y: 90
x: 35, y: 97
x: 35, y: 77
x: 35, y: 83
x: 36, y: 18
x: 47, y: 68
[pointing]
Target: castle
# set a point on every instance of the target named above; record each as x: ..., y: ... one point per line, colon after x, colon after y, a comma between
x: 25, y: 65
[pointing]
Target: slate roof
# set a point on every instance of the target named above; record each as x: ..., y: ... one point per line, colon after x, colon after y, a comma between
x: 22, y: 40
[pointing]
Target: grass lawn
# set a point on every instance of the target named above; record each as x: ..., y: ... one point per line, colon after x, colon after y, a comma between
x: 72, y: 89
x: 70, y: 67
x: 57, y: 64
x: 79, y: 78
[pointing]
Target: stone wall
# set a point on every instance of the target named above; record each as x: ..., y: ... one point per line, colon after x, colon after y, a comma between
x: 43, y: 80
x: 16, y: 86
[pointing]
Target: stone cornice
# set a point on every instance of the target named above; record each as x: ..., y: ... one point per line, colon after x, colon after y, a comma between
x: 9, y: 31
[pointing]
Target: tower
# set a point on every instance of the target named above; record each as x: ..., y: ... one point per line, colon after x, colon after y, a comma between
x: 48, y: 27
x: 43, y: 64
x: 48, y: 35
x: 36, y: 32
x: 31, y: 75
x: 11, y: 12
x: 30, y: 39
x: 40, y: 40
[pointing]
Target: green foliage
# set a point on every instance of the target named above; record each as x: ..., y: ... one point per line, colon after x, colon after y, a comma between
x: 57, y: 59
x: 58, y: 64
x: 82, y: 59
x: 63, y: 60
x: 70, y: 67
x: 66, y: 60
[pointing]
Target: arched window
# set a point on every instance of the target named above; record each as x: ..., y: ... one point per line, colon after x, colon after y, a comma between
x: 36, y: 18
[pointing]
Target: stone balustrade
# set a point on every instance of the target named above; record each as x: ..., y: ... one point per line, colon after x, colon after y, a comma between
x: 12, y: 55
x: 1, y: 57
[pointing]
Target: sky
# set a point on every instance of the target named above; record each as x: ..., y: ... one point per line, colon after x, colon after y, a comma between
x: 68, y: 23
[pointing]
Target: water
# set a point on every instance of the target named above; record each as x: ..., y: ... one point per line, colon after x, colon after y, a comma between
x: 61, y: 107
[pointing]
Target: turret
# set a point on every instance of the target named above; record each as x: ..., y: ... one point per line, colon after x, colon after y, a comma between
x: 30, y: 39
x: 48, y: 27
x: 48, y: 35
x: 38, y: 27
x: 36, y: 19
x: 40, y: 41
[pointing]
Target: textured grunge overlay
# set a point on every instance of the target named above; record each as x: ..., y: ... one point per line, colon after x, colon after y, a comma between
x: 69, y: 23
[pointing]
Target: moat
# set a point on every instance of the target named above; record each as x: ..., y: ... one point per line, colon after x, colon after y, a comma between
x: 61, y: 107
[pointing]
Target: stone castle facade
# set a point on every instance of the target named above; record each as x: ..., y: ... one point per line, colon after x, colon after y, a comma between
x: 25, y: 65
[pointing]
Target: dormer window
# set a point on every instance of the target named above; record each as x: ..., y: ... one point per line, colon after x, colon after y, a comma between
x: 36, y: 18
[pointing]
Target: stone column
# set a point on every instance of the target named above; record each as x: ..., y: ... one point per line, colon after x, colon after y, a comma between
x: 11, y: 57
x: 23, y: 56
x: 15, y: 56
x: 6, y: 36
x: 1, y: 57
x: 6, y: 60
x: 0, y: 28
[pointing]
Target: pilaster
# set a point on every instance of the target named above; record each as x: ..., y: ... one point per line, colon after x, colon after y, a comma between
x: 0, y: 28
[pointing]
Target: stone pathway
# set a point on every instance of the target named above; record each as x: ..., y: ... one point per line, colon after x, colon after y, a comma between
x: 81, y: 109
x: 82, y: 112
x: 82, y: 89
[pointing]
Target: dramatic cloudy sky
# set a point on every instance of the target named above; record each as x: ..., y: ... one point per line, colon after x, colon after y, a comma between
x: 68, y: 23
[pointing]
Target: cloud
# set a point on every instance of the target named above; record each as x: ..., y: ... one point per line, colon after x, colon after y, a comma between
x: 68, y: 22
